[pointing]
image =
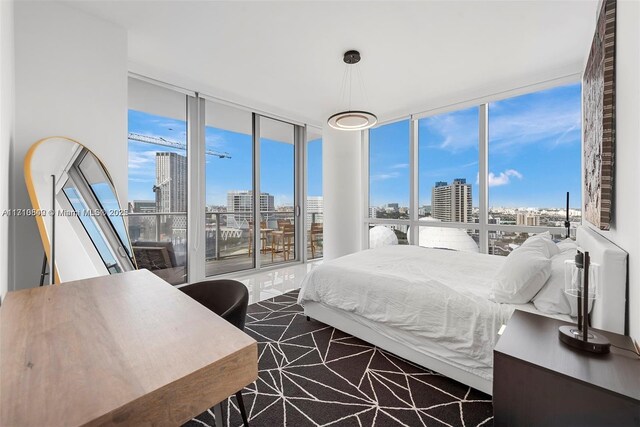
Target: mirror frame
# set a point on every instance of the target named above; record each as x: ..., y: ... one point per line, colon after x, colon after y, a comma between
x: 36, y: 205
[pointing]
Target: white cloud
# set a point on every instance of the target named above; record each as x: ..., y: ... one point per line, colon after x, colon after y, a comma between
x: 455, y: 132
x: 400, y: 166
x: 142, y: 163
x: 546, y: 119
x: 385, y: 176
x: 504, y: 178
x: 553, y: 120
x: 216, y: 142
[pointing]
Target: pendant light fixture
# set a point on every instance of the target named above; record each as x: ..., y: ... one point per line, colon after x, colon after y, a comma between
x: 352, y: 119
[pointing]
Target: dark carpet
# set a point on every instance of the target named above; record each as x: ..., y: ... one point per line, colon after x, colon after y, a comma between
x: 314, y: 375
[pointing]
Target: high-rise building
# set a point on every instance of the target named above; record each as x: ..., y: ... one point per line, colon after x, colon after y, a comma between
x: 452, y: 202
x: 142, y: 206
x: 171, y: 182
x: 315, y: 207
x: 240, y: 203
x: 171, y: 188
x: 526, y: 218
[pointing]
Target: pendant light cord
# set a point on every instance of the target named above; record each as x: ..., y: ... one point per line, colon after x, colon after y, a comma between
x: 364, y: 93
x: 348, y: 119
x: 347, y: 80
x: 350, y: 84
x: 343, y: 86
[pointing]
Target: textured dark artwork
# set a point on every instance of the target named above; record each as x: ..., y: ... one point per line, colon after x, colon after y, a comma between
x: 599, y: 103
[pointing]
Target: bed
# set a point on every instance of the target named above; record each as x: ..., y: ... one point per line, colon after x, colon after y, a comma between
x: 432, y: 307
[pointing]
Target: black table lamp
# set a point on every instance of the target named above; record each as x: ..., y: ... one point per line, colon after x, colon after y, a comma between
x: 578, y: 336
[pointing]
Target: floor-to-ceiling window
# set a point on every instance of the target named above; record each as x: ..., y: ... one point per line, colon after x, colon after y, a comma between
x: 484, y: 177
x: 448, y: 179
x: 534, y: 160
x: 228, y: 189
x: 240, y: 172
x: 315, y: 200
x: 388, y: 207
x: 158, y: 173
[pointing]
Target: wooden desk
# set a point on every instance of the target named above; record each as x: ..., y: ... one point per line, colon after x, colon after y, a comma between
x: 172, y: 275
x: 124, y: 349
x: 538, y: 380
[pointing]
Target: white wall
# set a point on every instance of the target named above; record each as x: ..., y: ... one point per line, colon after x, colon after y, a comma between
x: 70, y: 80
x: 6, y: 133
x: 342, y: 189
x: 626, y: 229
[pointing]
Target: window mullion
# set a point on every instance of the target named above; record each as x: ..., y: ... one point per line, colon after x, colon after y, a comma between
x: 195, y: 189
x: 414, y: 182
x: 257, y: 218
x: 365, y: 189
x: 483, y: 171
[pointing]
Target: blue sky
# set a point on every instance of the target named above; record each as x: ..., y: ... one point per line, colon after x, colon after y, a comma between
x: 534, y: 155
x: 534, y: 152
x: 222, y: 175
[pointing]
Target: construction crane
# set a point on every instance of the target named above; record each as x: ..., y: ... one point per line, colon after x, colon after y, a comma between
x: 158, y: 140
x: 159, y: 186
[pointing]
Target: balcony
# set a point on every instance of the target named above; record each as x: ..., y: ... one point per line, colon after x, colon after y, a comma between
x: 159, y: 241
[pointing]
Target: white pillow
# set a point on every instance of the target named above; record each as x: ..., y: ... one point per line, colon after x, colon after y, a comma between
x: 551, y: 299
x: 523, y: 273
x: 544, y: 240
x: 567, y: 245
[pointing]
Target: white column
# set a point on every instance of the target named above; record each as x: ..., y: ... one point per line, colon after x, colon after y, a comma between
x: 6, y: 134
x: 341, y: 171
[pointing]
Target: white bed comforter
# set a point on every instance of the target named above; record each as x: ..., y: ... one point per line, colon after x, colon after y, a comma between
x: 436, y: 295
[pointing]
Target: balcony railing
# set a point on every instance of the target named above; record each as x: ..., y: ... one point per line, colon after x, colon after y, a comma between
x: 226, y: 234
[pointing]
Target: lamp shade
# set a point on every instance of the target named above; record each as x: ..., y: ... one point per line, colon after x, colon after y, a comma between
x: 352, y: 120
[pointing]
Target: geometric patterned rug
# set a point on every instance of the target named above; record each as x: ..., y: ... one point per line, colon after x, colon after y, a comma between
x: 311, y: 374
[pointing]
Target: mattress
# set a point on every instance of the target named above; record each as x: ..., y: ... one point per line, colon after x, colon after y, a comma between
x: 433, y: 300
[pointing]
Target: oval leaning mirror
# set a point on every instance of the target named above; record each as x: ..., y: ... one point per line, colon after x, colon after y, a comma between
x: 87, y: 236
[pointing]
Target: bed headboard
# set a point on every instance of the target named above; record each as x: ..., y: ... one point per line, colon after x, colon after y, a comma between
x: 609, y: 309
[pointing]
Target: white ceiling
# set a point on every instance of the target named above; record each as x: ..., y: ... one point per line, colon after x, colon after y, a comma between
x: 286, y: 57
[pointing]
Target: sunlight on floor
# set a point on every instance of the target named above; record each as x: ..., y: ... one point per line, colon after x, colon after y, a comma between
x: 269, y: 284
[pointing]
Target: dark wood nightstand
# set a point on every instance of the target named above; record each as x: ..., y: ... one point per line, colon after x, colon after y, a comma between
x: 539, y: 381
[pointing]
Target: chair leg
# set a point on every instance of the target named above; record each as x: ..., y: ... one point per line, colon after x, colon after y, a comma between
x: 217, y: 411
x: 274, y: 242
x: 243, y: 412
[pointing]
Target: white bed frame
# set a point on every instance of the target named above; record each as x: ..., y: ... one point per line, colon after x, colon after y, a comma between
x: 608, y: 312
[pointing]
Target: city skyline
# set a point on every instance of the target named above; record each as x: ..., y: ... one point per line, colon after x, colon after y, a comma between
x: 490, y: 208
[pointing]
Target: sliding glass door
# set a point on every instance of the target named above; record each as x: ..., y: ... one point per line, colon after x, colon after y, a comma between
x: 238, y: 145
x: 229, y: 189
x: 277, y: 231
x: 215, y: 188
